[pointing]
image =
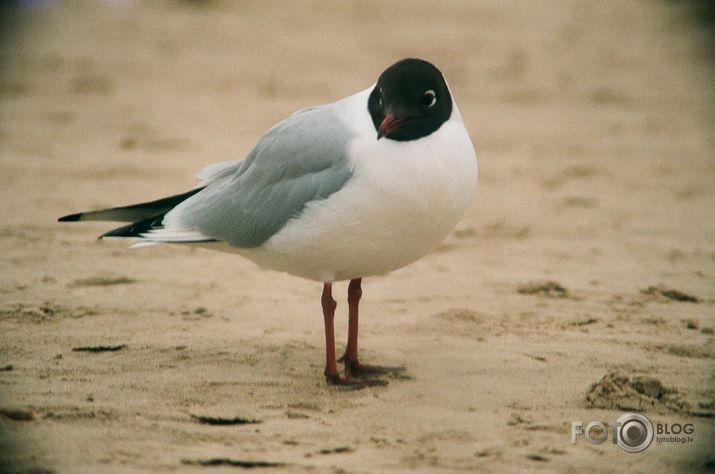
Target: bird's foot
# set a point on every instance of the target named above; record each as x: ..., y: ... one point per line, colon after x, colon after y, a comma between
x: 356, y: 369
x: 350, y: 383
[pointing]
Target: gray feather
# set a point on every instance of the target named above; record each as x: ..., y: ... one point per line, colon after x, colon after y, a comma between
x: 302, y: 159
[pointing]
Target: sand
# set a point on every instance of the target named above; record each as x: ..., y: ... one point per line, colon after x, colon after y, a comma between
x: 579, y: 285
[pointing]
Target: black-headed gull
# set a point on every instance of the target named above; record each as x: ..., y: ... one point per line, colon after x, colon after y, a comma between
x: 342, y: 191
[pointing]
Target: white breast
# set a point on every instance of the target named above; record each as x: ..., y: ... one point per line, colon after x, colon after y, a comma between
x: 403, y: 200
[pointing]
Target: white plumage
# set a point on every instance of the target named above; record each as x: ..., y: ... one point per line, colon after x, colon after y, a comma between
x: 402, y: 200
x: 342, y: 191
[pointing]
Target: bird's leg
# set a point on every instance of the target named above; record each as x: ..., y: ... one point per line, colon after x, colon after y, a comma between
x: 331, y: 369
x: 354, y: 294
x: 329, y: 305
x: 350, y: 358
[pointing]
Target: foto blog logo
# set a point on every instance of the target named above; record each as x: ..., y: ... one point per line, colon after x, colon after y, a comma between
x: 632, y: 432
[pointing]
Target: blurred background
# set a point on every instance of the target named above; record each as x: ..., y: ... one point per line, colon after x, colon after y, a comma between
x: 108, y: 87
x: 593, y: 123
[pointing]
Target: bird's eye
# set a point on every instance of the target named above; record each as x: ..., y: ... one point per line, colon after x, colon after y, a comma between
x: 429, y: 98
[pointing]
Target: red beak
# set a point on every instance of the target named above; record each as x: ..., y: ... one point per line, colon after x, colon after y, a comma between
x: 389, y: 125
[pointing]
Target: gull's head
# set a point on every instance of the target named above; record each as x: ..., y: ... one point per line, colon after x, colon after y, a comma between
x: 410, y: 100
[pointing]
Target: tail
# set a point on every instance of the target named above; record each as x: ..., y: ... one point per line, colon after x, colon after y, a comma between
x: 144, y: 218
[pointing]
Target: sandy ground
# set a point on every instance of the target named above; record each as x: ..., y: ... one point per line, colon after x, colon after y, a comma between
x: 593, y: 123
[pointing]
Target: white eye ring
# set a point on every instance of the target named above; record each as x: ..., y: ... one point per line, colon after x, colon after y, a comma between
x: 429, y: 98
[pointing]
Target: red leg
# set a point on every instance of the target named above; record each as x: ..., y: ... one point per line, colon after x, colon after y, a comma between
x: 354, y: 294
x: 350, y: 358
x: 331, y: 370
x: 329, y: 305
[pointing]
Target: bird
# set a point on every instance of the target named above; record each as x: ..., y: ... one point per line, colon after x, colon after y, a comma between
x: 337, y: 192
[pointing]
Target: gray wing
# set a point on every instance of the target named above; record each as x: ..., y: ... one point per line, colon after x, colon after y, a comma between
x: 302, y: 159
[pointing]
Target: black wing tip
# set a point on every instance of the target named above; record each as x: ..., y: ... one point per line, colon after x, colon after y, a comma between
x: 120, y: 232
x: 135, y: 229
x: 134, y: 212
x: 124, y: 231
x: 70, y: 218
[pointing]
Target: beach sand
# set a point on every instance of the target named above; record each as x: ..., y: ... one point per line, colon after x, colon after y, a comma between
x: 578, y: 286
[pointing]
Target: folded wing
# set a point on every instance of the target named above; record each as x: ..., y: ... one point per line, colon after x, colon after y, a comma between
x: 302, y: 159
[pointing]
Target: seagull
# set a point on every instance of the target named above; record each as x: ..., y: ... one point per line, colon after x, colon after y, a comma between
x: 343, y: 191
